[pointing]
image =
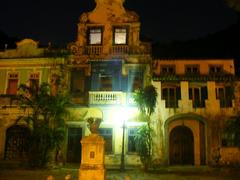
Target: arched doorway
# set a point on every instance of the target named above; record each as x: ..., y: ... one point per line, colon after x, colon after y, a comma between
x: 181, y: 146
x: 16, y: 138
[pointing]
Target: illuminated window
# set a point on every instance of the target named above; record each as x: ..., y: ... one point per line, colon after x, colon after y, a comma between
x: 171, y: 95
x: 225, y: 96
x: 120, y: 35
x: 34, y: 80
x: 198, y: 95
x: 95, y: 36
x: 131, y: 140
x: 105, y: 82
x: 77, y: 81
x: 106, y: 133
x: 12, y: 83
x: 215, y: 69
x: 167, y: 69
x: 192, y: 69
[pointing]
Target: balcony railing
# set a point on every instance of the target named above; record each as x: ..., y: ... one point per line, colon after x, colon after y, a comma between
x: 120, y: 49
x: 114, y: 50
x: 106, y: 98
x: 93, y: 50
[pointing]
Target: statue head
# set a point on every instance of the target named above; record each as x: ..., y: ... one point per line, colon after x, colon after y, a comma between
x: 93, y: 124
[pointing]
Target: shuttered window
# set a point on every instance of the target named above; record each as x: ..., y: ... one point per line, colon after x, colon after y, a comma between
x: 171, y: 95
x: 225, y: 96
x: 12, y: 83
x: 198, y: 95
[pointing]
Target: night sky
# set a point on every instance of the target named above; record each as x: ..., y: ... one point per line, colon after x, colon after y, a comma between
x: 162, y: 20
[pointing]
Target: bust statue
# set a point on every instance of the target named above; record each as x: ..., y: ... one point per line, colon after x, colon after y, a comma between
x: 93, y: 124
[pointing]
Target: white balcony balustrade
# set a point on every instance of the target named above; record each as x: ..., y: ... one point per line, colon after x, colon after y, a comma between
x: 106, y: 98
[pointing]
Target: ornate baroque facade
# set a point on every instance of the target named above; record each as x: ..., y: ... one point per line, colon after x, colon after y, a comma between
x: 106, y: 63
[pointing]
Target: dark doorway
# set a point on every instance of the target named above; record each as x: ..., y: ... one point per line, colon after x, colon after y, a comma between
x: 181, y: 146
x: 16, y: 139
x: 74, y: 145
x: 202, y: 144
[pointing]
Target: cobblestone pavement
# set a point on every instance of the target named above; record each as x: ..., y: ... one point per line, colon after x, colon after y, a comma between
x: 166, y: 173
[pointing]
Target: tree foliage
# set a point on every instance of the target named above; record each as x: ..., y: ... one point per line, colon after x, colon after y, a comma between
x: 45, y: 119
x: 145, y: 100
x: 143, y: 140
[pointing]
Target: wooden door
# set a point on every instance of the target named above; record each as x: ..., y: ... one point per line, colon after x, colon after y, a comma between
x: 74, y: 145
x: 16, y: 139
x: 181, y: 147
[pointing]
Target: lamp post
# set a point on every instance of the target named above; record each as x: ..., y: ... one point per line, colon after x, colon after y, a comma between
x: 122, y: 167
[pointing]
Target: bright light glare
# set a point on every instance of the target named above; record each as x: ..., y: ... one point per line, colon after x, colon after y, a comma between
x: 124, y: 114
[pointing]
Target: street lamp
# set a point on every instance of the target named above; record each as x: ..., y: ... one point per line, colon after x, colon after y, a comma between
x: 122, y: 167
x: 121, y: 117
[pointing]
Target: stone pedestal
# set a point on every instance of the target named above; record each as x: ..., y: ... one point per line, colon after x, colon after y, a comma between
x: 92, y: 162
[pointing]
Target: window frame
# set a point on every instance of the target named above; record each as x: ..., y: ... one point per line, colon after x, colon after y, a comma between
x: 192, y: 66
x: 126, y: 34
x: 105, y: 136
x: 34, y: 77
x: 103, y: 85
x: 132, y: 135
x: 225, y: 100
x: 215, y: 69
x: 12, y: 76
x: 200, y: 101
x: 176, y: 90
x: 165, y: 69
x: 92, y: 28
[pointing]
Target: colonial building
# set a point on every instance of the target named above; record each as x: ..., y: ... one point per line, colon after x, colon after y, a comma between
x: 106, y: 64
x: 196, y: 97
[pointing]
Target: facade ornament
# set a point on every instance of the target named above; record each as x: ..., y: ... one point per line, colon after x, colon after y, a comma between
x: 75, y: 49
x: 78, y: 54
x: 132, y: 16
x: 83, y: 18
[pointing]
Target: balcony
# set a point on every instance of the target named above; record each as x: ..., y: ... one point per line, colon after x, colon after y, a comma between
x: 106, y: 98
x: 93, y: 50
x: 120, y: 49
x: 115, y: 50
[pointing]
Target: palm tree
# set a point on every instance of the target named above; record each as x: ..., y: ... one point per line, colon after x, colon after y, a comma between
x: 145, y: 100
x: 45, y: 118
